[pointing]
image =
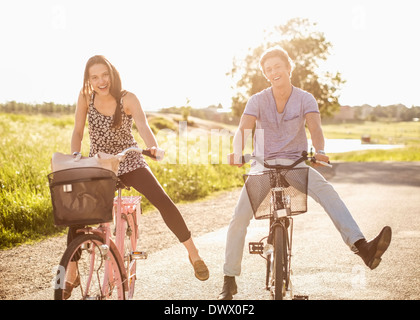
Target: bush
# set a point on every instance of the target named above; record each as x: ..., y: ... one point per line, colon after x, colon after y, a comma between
x: 159, y: 123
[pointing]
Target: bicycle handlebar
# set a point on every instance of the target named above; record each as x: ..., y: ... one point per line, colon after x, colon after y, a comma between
x: 159, y: 156
x: 247, y: 157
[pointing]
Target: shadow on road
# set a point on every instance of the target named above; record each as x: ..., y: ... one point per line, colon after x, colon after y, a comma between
x: 389, y: 173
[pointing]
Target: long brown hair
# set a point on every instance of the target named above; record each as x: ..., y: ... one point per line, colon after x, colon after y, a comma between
x: 115, y: 88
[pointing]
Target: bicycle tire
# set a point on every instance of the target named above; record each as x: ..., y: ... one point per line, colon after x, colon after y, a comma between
x: 279, y: 263
x: 91, y: 260
x: 130, y: 245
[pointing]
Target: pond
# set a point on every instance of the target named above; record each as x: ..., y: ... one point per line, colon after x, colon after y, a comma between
x: 346, y: 145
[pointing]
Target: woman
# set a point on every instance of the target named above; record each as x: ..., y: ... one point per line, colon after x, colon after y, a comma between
x: 111, y: 112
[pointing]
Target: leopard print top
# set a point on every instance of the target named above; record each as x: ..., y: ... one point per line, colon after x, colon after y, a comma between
x: 104, y: 138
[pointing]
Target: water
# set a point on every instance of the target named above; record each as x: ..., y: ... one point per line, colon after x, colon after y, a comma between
x: 346, y: 145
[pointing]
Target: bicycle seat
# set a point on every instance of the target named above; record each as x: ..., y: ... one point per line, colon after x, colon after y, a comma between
x: 121, y: 185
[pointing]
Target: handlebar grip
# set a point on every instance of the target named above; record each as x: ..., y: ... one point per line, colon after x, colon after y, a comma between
x: 148, y: 153
x: 160, y: 153
x: 325, y: 164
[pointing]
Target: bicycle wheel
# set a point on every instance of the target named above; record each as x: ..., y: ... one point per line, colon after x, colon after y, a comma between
x: 278, y: 264
x: 100, y: 274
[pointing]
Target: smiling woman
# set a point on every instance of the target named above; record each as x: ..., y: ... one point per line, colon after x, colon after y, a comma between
x: 110, y: 112
x: 103, y: 78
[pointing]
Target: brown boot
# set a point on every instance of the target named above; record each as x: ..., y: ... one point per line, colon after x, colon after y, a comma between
x: 229, y: 289
x: 371, y: 251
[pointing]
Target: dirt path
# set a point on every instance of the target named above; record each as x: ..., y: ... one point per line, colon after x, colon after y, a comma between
x: 30, y: 268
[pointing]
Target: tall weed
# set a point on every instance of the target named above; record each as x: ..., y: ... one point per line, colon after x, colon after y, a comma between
x: 26, y: 145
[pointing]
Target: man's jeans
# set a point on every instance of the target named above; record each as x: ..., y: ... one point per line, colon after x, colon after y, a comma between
x: 318, y: 188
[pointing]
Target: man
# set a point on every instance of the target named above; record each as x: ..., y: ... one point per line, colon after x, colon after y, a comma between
x: 280, y: 113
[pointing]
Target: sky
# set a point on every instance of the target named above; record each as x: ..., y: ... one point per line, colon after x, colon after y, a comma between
x: 168, y: 51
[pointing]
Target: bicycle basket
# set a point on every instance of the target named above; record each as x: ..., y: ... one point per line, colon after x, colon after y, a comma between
x: 293, y: 183
x: 82, y: 196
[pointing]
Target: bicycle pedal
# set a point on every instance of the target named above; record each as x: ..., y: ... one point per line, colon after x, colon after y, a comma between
x: 138, y: 255
x: 299, y: 297
x: 256, y: 248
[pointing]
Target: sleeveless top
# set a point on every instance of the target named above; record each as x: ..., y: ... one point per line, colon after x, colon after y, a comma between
x: 104, y: 138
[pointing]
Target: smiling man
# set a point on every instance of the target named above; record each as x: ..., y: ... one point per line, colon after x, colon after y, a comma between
x: 280, y: 112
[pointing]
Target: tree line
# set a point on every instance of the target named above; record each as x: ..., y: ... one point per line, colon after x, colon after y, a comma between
x: 398, y: 112
x: 47, y: 108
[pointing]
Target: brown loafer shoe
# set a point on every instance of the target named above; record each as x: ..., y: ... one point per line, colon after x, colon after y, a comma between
x: 200, y: 269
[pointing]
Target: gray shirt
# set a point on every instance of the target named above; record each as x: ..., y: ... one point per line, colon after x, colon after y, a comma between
x: 280, y: 135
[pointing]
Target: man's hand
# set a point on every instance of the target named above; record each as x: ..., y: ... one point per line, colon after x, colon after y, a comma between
x: 235, y: 160
x: 321, y: 157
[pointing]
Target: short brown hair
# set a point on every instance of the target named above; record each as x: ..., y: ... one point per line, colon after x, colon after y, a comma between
x: 276, y: 51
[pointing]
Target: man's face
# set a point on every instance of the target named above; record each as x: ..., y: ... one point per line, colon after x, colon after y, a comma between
x: 276, y: 71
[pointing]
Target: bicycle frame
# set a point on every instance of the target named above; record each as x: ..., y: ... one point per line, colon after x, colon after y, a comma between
x: 280, y: 228
x: 280, y: 218
x: 104, y: 231
x: 126, y: 214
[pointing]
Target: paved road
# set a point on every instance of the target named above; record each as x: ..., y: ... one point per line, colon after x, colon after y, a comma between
x: 377, y: 194
x: 323, y: 267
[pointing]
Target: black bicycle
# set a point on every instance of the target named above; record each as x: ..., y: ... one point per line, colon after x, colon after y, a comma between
x: 278, y: 193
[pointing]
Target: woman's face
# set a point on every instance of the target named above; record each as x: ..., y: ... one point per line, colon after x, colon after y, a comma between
x: 100, y: 79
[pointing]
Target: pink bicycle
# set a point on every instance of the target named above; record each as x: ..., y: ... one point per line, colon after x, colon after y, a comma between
x: 104, y: 256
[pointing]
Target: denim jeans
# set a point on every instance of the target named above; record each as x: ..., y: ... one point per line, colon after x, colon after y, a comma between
x: 318, y: 188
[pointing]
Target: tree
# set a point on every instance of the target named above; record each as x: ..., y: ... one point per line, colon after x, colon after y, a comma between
x: 306, y: 47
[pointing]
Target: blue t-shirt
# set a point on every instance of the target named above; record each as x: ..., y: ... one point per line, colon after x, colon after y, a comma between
x: 280, y: 135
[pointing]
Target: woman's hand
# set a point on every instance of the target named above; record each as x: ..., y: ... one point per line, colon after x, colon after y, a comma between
x: 157, y: 153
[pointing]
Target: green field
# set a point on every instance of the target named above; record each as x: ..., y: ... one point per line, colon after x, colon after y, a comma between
x: 28, y: 141
x: 398, y: 133
x: 407, y: 133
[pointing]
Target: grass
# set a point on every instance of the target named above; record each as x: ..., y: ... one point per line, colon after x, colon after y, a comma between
x: 26, y: 146
x: 27, y: 143
x: 407, y: 133
x: 409, y: 153
x: 401, y: 133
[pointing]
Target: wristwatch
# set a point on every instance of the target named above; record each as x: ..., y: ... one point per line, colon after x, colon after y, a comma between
x: 321, y: 152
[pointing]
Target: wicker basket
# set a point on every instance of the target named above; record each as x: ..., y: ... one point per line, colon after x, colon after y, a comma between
x: 291, y: 183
